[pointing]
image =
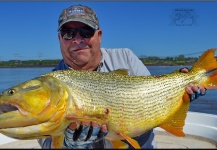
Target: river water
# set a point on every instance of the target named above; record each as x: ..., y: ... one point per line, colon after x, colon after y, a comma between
x: 12, y: 76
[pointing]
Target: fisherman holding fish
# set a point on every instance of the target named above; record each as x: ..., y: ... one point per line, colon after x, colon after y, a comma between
x: 80, y: 38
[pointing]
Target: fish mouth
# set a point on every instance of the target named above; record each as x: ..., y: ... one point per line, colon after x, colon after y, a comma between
x: 4, y: 108
x: 15, y: 124
x: 12, y: 115
x: 9, y: 107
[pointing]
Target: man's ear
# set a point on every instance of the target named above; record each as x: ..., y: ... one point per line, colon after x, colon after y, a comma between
x: 59, y: 36
x: 100, y: 35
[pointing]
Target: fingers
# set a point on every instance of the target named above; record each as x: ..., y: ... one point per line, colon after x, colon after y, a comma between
x: 77, y: 133
x: 90, y: 130
x: 195, y: 91
x: 184, y: 70
x: 94, y: 124
x: 202, y: 90
x: 104, y: 128
x: 102, y: 133
x: 73, y: 125
x: 79, y: 130
x: 89, y: 134
x: 191, y: 89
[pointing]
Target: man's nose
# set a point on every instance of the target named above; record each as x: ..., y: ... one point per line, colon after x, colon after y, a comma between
x: 77, y: 39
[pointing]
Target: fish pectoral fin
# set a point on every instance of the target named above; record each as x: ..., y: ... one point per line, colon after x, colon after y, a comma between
x: 132, y: 142
x: 175, y: 124
x: 86, y: 119
x: 119, y: 145
x: 57, y: 141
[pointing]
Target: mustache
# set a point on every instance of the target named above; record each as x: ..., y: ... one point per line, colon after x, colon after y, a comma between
x: 78, y: 46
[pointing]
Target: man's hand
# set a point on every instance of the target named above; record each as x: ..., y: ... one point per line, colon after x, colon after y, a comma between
x: 84, y: 135
x: 93, y: 128
x: 193, y: 91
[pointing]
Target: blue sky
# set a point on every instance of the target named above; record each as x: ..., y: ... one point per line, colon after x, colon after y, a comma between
x: 29, y: 29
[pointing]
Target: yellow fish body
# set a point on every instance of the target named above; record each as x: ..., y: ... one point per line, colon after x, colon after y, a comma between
x: 128, y: 105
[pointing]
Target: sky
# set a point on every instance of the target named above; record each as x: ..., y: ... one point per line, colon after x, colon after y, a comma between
x: 164, y: 29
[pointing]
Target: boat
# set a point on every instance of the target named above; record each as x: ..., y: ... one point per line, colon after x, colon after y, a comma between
x: 200, y: 130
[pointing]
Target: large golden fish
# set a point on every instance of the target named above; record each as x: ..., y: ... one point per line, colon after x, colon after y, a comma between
x: 128, y: 105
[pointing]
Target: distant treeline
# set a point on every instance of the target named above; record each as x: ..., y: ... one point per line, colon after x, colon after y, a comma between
x: 29, y: 63
x: 151, y: 60
x: 169, y: 61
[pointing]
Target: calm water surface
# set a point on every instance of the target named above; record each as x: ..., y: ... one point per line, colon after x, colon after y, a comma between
x: 12, y: 76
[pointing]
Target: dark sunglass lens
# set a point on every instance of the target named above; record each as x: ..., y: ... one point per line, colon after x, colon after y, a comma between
x: 86, y: 32
x: 68, y: 34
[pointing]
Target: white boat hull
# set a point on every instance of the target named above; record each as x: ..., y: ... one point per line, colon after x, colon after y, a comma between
x: 200, y: 124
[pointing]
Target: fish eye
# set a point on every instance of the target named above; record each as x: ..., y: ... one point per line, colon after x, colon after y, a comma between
x: 11, y: 91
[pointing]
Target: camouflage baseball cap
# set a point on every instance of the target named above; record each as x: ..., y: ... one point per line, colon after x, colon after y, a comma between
x: 79, y: 13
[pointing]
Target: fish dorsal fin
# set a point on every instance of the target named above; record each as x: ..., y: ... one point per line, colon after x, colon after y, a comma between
x: 121, y: 71
x: 174, y: 124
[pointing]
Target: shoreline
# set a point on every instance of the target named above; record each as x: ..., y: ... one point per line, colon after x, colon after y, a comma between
x: 47, y: 66
x: 44, y: 66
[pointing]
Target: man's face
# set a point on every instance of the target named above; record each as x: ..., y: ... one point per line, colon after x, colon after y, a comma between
x: 78, y: 50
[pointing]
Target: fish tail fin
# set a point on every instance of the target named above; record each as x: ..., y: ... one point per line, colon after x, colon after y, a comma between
x: 208, y: 62
x: 211, y: 82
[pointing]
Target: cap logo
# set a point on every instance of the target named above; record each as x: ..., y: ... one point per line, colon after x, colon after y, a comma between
x: 76, y: 10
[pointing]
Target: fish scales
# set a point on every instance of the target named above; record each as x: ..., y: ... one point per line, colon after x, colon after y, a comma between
x: 128, y: 105
x: 92, y: 93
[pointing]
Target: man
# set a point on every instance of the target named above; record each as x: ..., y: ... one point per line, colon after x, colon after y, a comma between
x: 80, y: 40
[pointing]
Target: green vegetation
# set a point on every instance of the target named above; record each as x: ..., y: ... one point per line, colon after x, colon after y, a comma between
x: 29, y: 63
x: 169, y: 61
x: 151, y: 60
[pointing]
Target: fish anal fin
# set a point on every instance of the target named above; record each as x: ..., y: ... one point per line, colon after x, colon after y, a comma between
x: 173, y: 130
x: 119, y: 145
x: 175, y: 124
x: 57, y: 142
x: 132, y: 142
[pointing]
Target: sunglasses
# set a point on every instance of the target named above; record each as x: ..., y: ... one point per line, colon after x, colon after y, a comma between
x: 70, y: 33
